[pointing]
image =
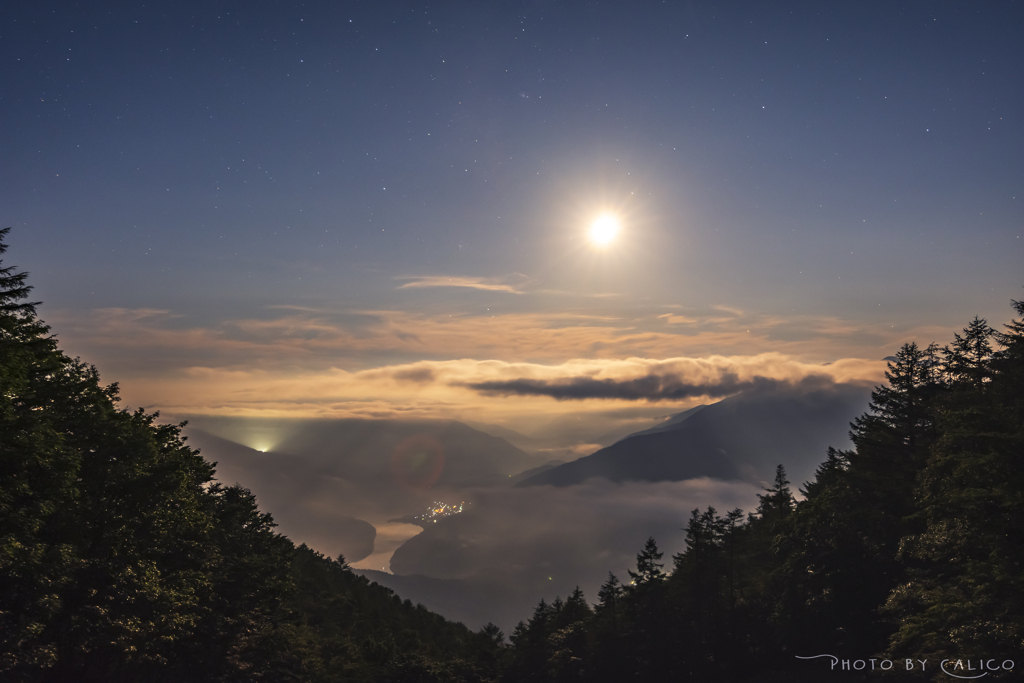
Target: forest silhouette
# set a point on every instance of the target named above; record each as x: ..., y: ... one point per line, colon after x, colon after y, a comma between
x: 122, y: 559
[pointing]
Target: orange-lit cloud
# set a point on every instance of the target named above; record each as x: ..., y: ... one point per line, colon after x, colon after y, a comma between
x: 450, y: 389
x: 673, y: 319
x: 144, y: 340
x: 382, y: 363
x: 484, y: 283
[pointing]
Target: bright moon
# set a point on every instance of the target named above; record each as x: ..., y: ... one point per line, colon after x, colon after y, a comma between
x: 604, y: 230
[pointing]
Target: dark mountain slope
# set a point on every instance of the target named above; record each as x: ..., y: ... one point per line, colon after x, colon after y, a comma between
x: 742, y: 437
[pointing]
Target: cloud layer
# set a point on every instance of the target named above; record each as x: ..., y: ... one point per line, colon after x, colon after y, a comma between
x: 649, y: 388
x: 486, y: 284
x: 619, y: 367
x: 517, y: 395
x: 141, y: 340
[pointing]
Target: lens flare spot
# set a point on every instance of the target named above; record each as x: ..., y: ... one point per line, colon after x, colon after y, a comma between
x: 417, y: 462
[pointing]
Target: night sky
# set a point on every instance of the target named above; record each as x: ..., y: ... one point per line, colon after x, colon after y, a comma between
x: 367, y: 208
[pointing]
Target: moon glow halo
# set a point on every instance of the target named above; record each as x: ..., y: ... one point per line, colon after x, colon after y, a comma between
x: 604, y: 230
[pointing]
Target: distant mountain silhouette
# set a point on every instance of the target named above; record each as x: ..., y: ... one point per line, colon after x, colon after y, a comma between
x: 368, y: 450
x: 670, y: 423
x: 560, y: 437
x: 742, y: 437
x: 328, y: 482
x: 533, y: 471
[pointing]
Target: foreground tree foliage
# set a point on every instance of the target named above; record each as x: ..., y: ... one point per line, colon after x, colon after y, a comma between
x: 122, y: 560
x: 910, y: 545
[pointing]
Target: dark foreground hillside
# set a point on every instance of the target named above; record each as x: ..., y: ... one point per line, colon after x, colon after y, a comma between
x: 121, y: 560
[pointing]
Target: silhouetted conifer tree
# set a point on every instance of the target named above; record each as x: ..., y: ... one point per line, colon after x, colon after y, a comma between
x: 963, y: 587
x: 121, y: 559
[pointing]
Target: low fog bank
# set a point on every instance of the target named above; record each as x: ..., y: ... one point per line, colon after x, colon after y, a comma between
x: 525, y: 544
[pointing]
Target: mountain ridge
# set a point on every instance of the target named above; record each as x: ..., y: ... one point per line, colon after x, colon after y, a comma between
x: 742, y: 437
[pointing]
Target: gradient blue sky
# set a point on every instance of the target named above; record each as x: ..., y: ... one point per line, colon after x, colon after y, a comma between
x: 262, y: 200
